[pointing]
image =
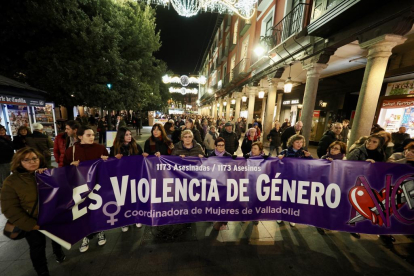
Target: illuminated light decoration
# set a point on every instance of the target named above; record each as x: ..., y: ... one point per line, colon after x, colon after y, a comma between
x: 187, y: 8
x: 259, y: 51
x: 261, y: 94
x: 244, y: 98
x: 183, y: 90
x: 210, y: 90
x: 233, y: 101
x: 218, y: 105
x: 224, y: 103
x: 288, y: 83
x: 184, y: 80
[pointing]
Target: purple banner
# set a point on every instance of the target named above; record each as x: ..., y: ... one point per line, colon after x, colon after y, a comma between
x: 352, y: 196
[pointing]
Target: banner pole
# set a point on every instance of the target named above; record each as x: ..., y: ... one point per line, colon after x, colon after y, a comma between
x: 63, y: 243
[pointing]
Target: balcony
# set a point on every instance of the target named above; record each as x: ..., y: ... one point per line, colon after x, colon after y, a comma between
x: 227, y: 23
x: 226, y: 80
x: 240, y: 71
x: 291, y: 24
x: 244, y: 26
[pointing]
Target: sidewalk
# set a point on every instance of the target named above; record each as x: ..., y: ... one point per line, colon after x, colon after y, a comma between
x: 242, y: 249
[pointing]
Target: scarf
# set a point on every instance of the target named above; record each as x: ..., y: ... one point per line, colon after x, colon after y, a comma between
x: 221, y: 154
x: 338, y: 156
x: 213, y: 134
x: 153, y: 143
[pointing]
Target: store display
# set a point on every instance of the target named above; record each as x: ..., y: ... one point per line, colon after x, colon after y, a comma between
x: 45, y: 116
x: 18, y: 117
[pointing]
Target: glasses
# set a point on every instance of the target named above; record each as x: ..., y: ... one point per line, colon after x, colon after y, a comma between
x: 27, y: 160
x: 220, y: 145
x: 335, y: 149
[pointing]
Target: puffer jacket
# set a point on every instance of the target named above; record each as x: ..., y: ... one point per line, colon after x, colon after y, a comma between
x: 59, y: 148
x: 289, y: 152
x: 18, y: 196
x: 361, y: 154
x: 194, y: 151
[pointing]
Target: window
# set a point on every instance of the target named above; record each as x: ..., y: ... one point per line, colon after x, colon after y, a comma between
x: 269, y: 25
x: 235, y: 31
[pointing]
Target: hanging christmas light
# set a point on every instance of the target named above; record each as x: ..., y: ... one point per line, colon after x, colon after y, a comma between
x: 288, y: 83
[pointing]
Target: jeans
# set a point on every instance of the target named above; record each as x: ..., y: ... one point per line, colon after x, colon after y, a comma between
x: 102, y: 137
x: 272, y: 148
x: 37, y: 244
x: 4, y: 172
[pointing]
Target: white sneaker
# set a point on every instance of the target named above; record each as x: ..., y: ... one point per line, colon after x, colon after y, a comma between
x: 101, y: 238
x: 279, y: 221
x: 292, y: 224
x: 85, y: 245
x: 139, y: 225
x: 125, y: 229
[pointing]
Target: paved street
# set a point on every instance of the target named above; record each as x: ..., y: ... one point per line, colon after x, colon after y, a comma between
x: 242, y: 249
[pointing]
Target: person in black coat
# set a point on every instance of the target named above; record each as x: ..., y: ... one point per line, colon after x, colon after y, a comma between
x: 158, y: 143
x: 19, y: 141
x: 125, y: 144
x: 7, y: 152
x: 290, y: 131
x: 275, y: 138
x: 328, y: 138
x: 189, y: 124
x: 232, y: 141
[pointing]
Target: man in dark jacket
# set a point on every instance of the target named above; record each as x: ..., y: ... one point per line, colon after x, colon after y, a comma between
x: 275, y: 139
x: 232, y: 141
x: 328, y: 138
x: 345, y: 130
x: 398, y: 139
x: 41, y: 142
x: 290, y: 131
x: 65, y: 140
x: 7, y: 152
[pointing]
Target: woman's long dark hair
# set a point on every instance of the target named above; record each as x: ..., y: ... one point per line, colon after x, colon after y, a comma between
x: 163, y: 134
x: 120, y: 140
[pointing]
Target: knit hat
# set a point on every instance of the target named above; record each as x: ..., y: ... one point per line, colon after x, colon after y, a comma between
x: 37, y: 126
x: 228, y: 124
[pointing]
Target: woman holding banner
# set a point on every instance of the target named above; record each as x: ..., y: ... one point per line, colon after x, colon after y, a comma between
x: 19, y: 205
x: 187, y: 147
x: 125, y: 145
x: 158, y: 143
x: 81, y: 151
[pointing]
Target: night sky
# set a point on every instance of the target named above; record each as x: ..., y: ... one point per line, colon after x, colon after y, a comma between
x: 184, y: 40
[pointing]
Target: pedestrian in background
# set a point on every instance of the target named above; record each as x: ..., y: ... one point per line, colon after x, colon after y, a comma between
x: 248, y: 140
x: 330, y: 136
x: 289, y: 132
x: 7, y: 152
x: 275, y: 139
x: 41, y: 142
x: 232, y: 141
x: 102, y: 128
x: 19, y: 141
x: 210, y: 140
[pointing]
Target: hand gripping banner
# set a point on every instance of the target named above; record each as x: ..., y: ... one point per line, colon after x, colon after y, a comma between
x: 351, y: 196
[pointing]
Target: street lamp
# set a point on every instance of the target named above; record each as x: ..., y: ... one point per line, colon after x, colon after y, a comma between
x: 261, y: 94
x: 244, y: 98
x: 224, y: 103
x: 210, y: 90
x: 288, y: 83
x: 259, y: 51
x: 233, y: 101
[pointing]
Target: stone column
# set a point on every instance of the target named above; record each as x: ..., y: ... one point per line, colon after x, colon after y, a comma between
x: 214, y: 110
x: 309, y: 98
x: 252, y: 97
x: 262, y: 117
x: 270, y: 109
x: 237, y: 96
x: 379, y: 51
x: 279, y: 107
x: 220, y: 114
x: 228, y: 109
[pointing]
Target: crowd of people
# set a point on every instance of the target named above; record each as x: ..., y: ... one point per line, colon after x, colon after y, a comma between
x: 181, y: 136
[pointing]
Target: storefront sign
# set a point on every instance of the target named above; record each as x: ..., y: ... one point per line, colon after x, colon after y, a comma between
x: 296, y: 101
x: 316, y: 113
x: 5, y: 99
x: 398, y: 103
x: 400, y: 88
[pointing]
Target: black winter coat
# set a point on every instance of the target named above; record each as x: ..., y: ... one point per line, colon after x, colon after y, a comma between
x: 289, y: 132
x: 327, y: 139
x: 276, y: 136
x: 232, y: 141
x: 6, y: 149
